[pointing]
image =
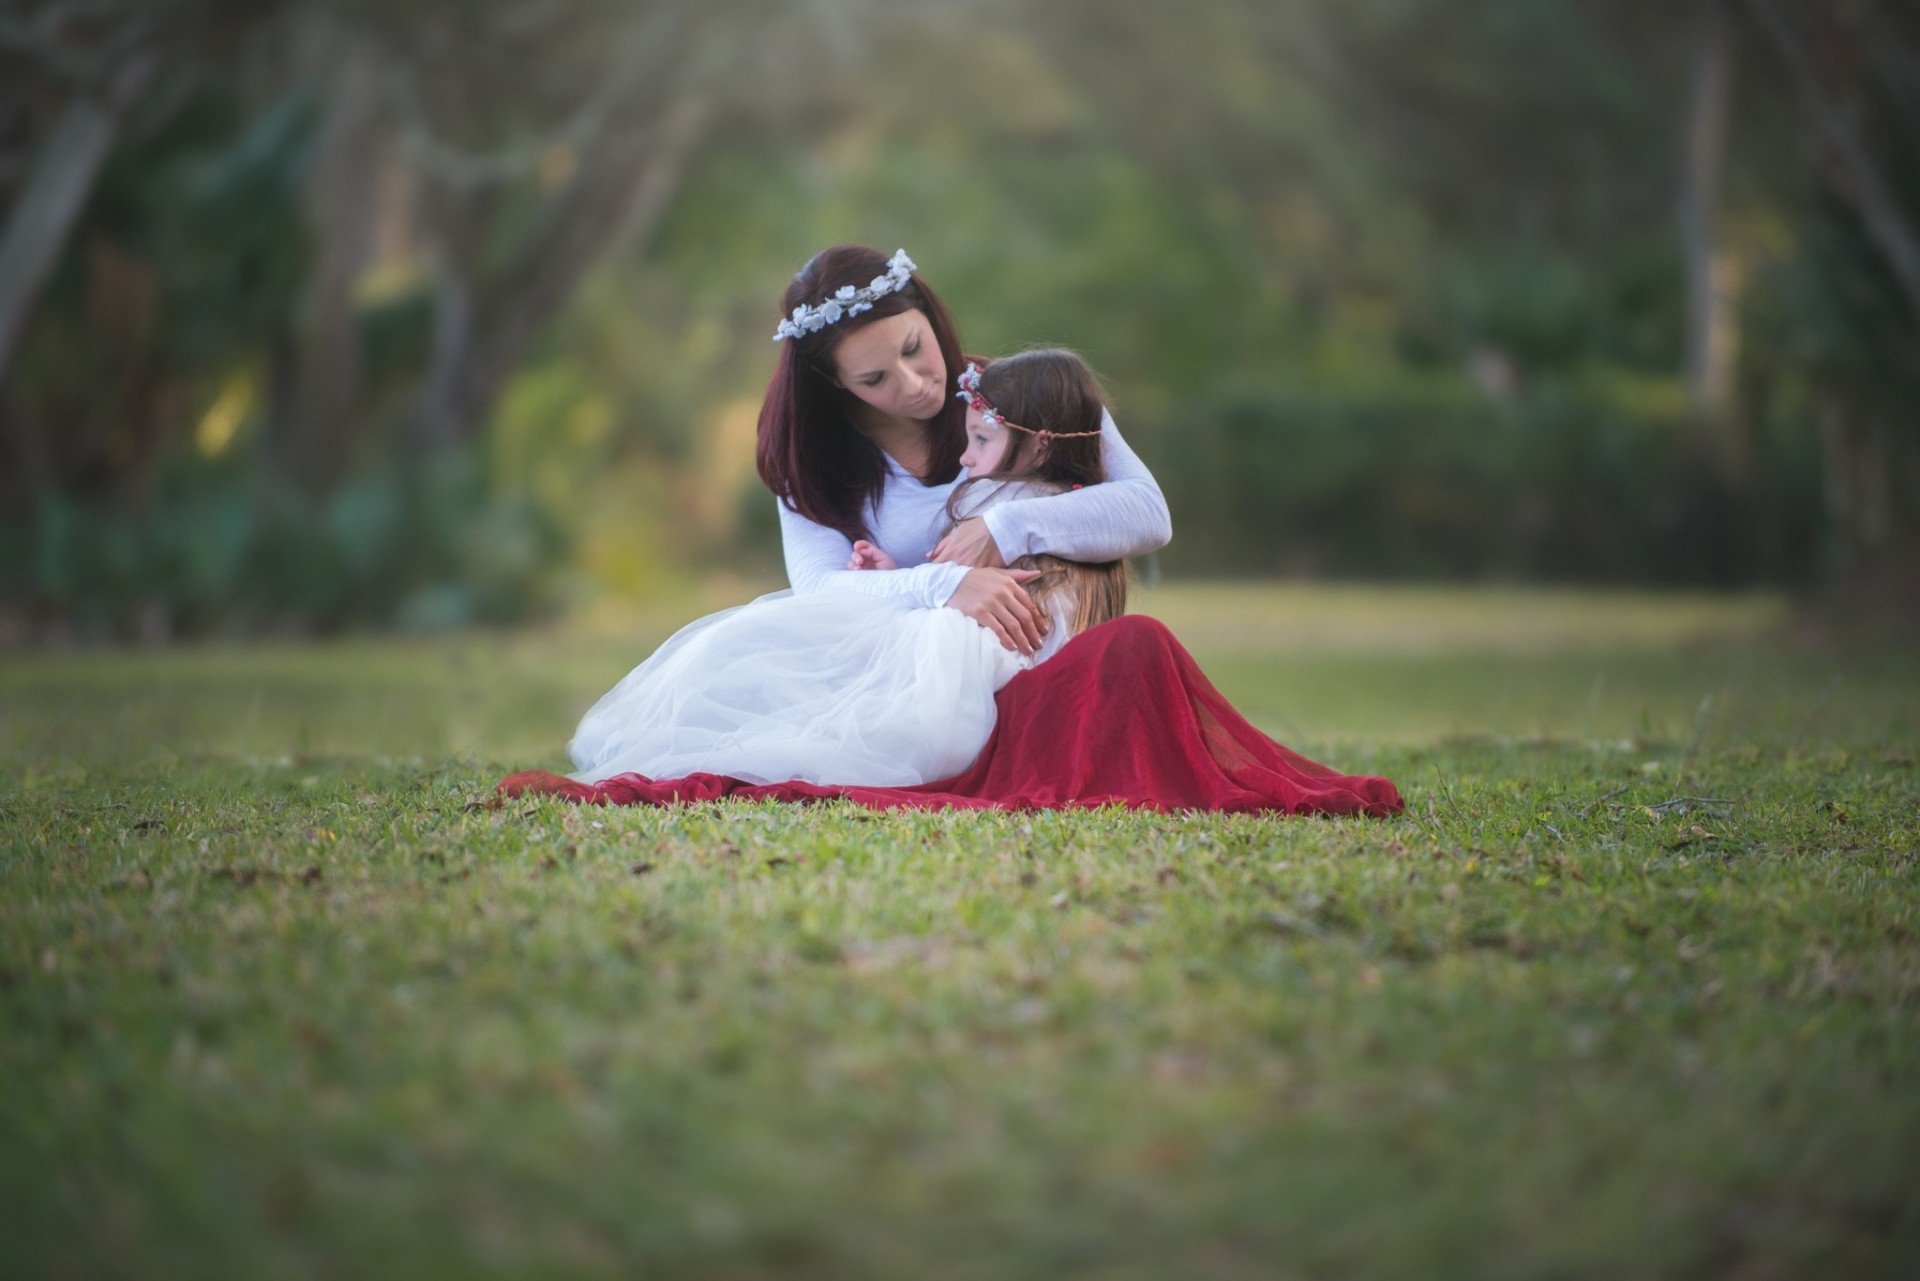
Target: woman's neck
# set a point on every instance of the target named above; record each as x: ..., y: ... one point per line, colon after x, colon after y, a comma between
x: 907, y: 441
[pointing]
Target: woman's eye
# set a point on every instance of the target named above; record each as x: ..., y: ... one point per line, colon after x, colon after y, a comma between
x: 873, y: 381
x: 912, y: 349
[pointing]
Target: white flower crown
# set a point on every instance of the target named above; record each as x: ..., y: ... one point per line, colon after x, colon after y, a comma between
x: 847, y: 301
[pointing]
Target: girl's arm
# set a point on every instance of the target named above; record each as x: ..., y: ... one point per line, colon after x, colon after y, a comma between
x: 817, y: 561
x: 993, y: 598
x: 1126, y: 516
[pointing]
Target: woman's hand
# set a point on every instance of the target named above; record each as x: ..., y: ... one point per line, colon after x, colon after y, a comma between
x: 969, y: 543
x: 994, y: 599
x: 867, y: 556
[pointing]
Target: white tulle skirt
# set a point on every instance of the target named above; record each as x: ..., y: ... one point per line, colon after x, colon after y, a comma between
x: 830, y: 687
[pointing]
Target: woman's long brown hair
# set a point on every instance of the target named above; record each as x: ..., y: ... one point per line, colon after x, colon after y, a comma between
x: 808, y: 451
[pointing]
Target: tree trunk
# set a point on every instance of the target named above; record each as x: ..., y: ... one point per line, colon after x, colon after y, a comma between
x: 1871, y: 475
x: 443, y: 408
x: 55, y: 192
x: 315, y: 440
x: 1712, y: 275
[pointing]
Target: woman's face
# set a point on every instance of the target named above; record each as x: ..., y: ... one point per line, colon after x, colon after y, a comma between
x: 894, y: 365
x: 986, y: 445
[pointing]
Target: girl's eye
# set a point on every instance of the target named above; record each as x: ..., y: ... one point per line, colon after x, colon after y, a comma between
x: 912, y: 349
x: 873, y: 381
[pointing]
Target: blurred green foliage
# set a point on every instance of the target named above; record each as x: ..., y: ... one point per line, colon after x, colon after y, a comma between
x: 1386, y: 290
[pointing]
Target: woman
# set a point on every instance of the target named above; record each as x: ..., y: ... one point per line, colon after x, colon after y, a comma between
x: 849, y: 688
x: 860, y: 438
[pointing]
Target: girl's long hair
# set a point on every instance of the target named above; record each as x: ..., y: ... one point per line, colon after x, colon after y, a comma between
x: 1053, y: 390
x: 808, y: 451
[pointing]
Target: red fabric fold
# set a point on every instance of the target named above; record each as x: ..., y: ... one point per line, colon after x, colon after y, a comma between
x: 1122, y: 715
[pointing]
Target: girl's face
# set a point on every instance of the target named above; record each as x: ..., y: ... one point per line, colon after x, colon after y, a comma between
x: 895, y: 366
x: 986, y: 445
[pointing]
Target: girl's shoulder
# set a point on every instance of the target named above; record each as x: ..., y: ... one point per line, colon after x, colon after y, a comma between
x: 975, y: 496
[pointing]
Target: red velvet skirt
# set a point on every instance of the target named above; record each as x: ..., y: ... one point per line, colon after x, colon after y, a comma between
x: 1122, y: 715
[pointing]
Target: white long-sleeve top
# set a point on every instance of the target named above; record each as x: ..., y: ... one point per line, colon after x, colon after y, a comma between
x: 1125, y: 516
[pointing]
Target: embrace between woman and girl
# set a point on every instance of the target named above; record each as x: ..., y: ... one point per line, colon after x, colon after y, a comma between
x: 955, y: 534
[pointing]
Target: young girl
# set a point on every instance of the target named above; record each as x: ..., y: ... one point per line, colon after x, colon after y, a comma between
x: 1008, y: 459
x: 865, y: 684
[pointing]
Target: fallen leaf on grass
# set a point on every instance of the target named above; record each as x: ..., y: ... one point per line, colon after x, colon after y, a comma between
x: 1715, y: 806
x: 1287, y: 923
x: 1180, y: 1067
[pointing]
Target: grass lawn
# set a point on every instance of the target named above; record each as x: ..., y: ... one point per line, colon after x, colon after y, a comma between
x: 1633, y: 988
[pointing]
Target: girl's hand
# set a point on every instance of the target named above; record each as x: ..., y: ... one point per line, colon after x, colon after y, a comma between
x: 867, y: 556
x: 969, y: 543
x: 994, y: 599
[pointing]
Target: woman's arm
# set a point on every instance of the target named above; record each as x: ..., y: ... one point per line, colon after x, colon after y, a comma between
x: 1126, y: 516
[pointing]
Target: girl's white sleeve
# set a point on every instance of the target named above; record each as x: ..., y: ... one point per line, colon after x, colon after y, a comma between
x: 1126, y: 516
x: 817, y: 562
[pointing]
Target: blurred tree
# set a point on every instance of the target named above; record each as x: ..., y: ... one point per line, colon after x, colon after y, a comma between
x: 86, y: 80
x: 73, y: 73
x: 1855, y: 73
